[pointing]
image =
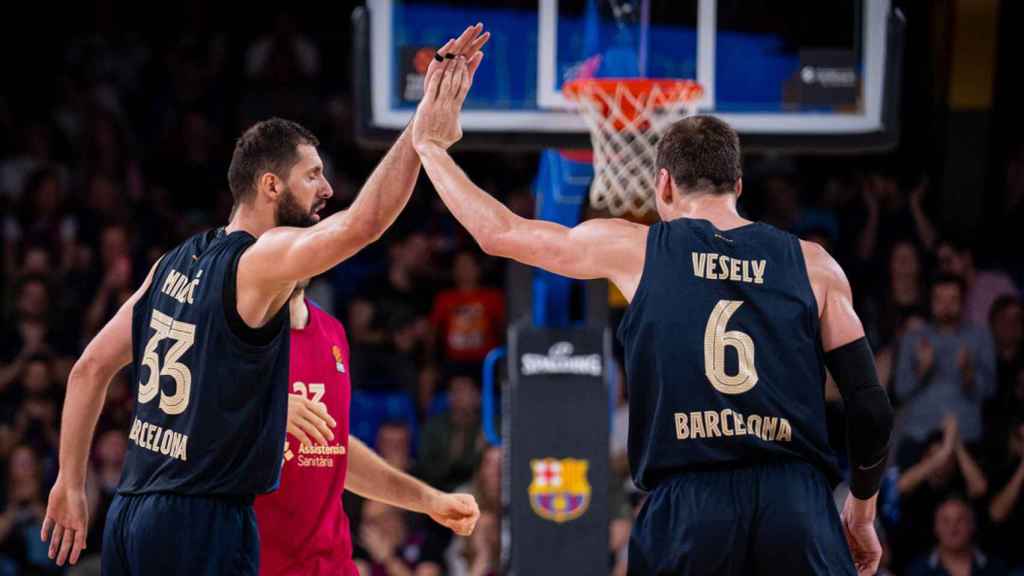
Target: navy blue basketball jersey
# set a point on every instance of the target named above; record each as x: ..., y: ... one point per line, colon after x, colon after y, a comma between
x: 723, y: 354
x: 212, y: 401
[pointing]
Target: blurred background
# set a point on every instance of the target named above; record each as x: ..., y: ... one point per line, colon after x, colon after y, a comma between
x: 117, y: 122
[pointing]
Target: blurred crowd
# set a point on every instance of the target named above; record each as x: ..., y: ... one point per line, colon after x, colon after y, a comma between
x: 125, y: 153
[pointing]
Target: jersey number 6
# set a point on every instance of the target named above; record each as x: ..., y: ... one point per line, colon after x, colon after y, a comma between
x: 184, y: 335
x: 716, y: 340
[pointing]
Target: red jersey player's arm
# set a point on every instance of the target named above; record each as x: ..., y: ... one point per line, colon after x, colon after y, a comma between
x: 599, y: 248
x: 371, y: 477
x: 90, y: 377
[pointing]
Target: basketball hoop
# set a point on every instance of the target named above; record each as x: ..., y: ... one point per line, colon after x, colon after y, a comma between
x: 626, y: 118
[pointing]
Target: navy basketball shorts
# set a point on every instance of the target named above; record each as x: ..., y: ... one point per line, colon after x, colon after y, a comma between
x: 170, y: 534
x: 776, y: 518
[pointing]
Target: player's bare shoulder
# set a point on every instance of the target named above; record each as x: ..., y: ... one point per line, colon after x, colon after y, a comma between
x: 621, y: 249
x: 823, y: 271
x: 615, y: 230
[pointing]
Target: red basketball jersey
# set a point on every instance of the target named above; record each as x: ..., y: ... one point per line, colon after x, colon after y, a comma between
x: 303, y: 528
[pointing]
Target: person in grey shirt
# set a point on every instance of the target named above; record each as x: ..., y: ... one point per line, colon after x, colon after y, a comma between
x: 946, y: 366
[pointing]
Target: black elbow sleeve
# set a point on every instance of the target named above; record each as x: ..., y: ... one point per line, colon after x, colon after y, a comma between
x: 869, y: 416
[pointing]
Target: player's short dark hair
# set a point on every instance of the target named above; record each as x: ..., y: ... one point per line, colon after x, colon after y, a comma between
x: 267, y: 146
x: 702, y: 154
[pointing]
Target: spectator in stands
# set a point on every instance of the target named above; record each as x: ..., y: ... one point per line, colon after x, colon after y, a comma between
x: 903, y: 300
x: 956, y: 552
x: 36, y: 261
x: 1006, y: 510
x: 407, y: 285
x: 119, y: 404
x: 41, y: 218
x: 479, y: 554
x: 943, y: 467
x: 451, y: 442
x: 22, y: 514
x: 394, y: 445
x: 1006, y: 321
x: 426, y: 389
x: 892, y: 215
x: 104, y: 205
x: 104, y: 476
x: 983, y: 287
x: 193, y: 160
x: 392, y: 544
x: 284, y: 55
x: 31, y: 332
x: 117, y: 285
x: 35, y: 153
x: 946, y: 365
x: 107, y: 152
x: 469, y: 319
x: 282, y: 67
x: 36, y: 421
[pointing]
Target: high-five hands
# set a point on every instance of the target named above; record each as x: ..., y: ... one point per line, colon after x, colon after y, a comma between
x: 448, y: 80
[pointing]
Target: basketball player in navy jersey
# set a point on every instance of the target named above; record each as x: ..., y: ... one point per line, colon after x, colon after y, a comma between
x: 207, y: 337
x: 730, y: 327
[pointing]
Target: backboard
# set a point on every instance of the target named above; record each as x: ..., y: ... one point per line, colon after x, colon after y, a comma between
x: 807, y: 75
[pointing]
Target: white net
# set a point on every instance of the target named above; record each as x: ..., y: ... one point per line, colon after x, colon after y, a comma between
x: 626, y: 119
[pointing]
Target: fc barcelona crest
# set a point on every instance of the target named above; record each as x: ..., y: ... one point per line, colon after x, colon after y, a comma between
x: 559, y: 491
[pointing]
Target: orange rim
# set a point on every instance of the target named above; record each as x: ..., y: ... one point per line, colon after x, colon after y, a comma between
x: 670, y: 90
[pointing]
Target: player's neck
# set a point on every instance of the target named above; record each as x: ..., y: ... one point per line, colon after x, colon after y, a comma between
x: 252, y: 219
x: 298, y: 312
x: 719, y: 209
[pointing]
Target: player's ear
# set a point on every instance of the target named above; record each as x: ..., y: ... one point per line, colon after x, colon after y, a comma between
x: 664, y: 186
x: 269, y: 184
x: 739, y: 187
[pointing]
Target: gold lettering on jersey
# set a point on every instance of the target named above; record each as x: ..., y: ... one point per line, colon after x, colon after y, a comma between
x: 726, y: 428
x: 711, y: 419
x: 758, y: 270
x: 716, y: 424
x: 682, y: 426
x: 711, y: 261
x: 785, y: 432
x: 699, y: 259
x: 160, y: 440
x: 179, y: 287
x: 696, y: 425
x: 714, y: 266
x: 754, y: 425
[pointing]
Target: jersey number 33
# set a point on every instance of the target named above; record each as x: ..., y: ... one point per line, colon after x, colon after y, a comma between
x: 183, y: 335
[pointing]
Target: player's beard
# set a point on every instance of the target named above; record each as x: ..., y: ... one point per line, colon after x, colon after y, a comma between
x: 290, y: 213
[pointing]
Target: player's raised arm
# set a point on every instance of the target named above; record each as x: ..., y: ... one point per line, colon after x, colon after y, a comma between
x: 287, y: 254
x: 869, y: 416
x: 67, y: 514
x: 600, y: 248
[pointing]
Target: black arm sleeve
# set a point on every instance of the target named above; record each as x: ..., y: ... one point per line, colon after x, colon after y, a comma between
x: 869, y: 416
